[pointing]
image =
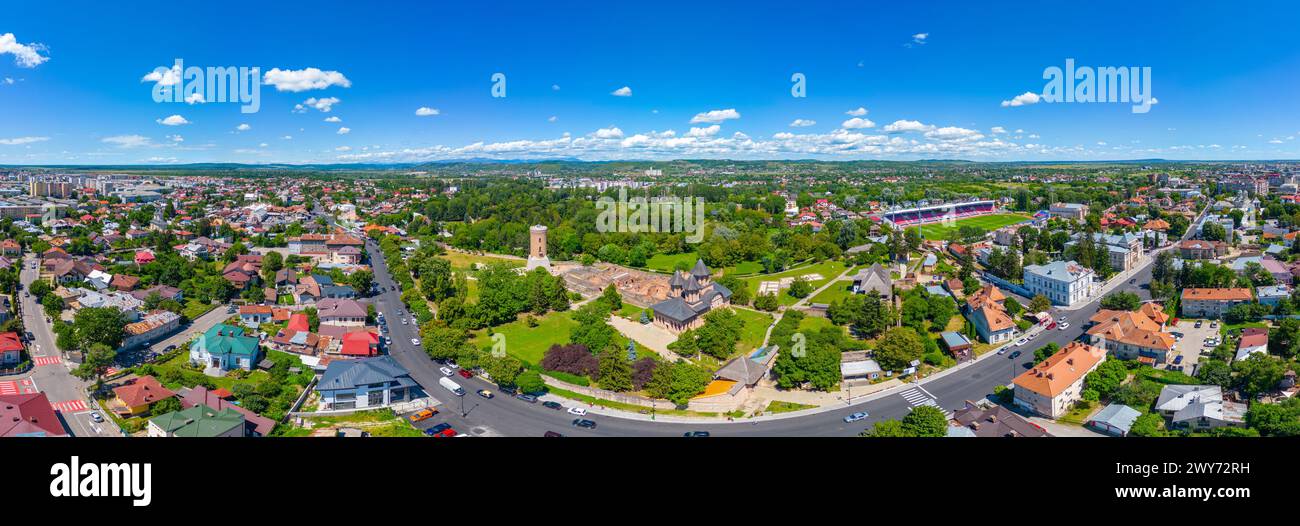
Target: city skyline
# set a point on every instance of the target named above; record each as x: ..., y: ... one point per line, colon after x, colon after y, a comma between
x: 943, y: 81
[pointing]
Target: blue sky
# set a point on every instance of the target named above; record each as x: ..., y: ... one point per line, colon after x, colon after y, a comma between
x: 71, y: 88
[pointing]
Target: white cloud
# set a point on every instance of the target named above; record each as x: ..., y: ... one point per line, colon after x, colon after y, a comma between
x: 919, y: 38
x: 609, y: 133
x: 9, y: 81
x: 343, y: 148
x: 713, y: 116
x: 802, y: 123
x: 243, y: 127
x: 857, y: 113
x: 324, y: 104
x: 1022, y: 99
x: 998, y: 130
x: 552, y: 119
x: 622, y: 92
x: 344, y: 130
x: 333, y: 118
x: 128, y: 141
x: 164, y: 76
x: 25, y: 55
x: 953, y: 133
x: 17, y: 141
x: 708, y: 131
x: 555, y: 87
x: 900, y: 126
x: 263, y: 145
x: 176, y: 138
x: 287, y: 137
x: 304, y: 79
x: 425, y: 111
x: 857, y: 123
x: 174, y: 120
x: 194, y: 98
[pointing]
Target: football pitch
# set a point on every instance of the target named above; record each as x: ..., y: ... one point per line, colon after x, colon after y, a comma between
x: 989, y: 222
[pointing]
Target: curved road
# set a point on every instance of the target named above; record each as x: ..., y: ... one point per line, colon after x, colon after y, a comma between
x: 507, y: 416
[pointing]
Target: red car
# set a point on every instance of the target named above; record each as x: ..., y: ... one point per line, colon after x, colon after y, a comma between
x: 465, y: 373
x: 446, y: 433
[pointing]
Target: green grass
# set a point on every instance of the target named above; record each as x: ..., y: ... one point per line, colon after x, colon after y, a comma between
x: 828, y: 269
x: 460, y: 261
x: 836, y: 292
x: 529, y: 344
x: 621, y: 406
x: 745, y: 268
x: 778, y: 406
x: 194, y: 308
x: 751, y: 337
x: 228, y: 382
x: 668, y: 262
x: 814, y: 323
x: 937, y: 231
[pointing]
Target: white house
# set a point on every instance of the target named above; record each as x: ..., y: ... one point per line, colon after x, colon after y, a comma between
x: 1063, y: 282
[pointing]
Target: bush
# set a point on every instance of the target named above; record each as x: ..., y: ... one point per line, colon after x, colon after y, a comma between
x: 573, y: 359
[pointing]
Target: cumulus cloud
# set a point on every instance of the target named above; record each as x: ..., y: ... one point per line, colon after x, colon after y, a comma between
x: 344, y: 130
x: 18, y: 141
x: 324, y: 104
x: 174, y: 120
x: 713, y: 116
x: 900, y: 126
x: 128, y: 141
x: 425, y: 111
x: 802, y: 123
x: 243, y: 127
x: 857, y: 113
x: 163, y: 76
x: 919, y: 38
x: 622, y: 92
x: 609, y: 133
x: 996, y: 130
x: 304, y: 79
x: 707, y: 131
x: 333, y: 118
x: 1022, y: 99
x: 194, y: 98
x: 25, y: 55
x: 552, y: 118
x: 857, y: 123
x: 953, y: 133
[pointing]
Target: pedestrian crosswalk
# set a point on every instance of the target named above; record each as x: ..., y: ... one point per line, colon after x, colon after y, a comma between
x: 918, y: 397
x: 46, y: 360
x: 70, y: 406
x: 17, y: 387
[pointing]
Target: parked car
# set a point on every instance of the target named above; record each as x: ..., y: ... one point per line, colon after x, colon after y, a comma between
x: 552, y: 434
x: 1198, y: 324
x: 855, y: 417
x: 577, y: 411
x: 445, y: 371
x: 584, y: 423
x: 415, y: 342
x: 1014, y: 355
x: 696, y: 434
x: 1003, y: 350
x: 465, y: 374
x: 422, y: 415
x: 508, y: 389
x: 1063, y: 326
x: 552, y: 405
x: 169, y: 348
x: 527, y: 398
x: 485, y: 393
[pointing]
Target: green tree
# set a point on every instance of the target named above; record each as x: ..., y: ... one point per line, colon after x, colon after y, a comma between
x: 1045, y: 352
x: 926, y: 421
x: 1147, y: 425
x: 1040, y: 303
x: 612, y: 299
x: 95, y: 364
x: 99, y: 325
x: 898, y: 348
x: 591, y: 330
x: 166, y: 405
x: 615, y: 371
x: 1125, y: 301
x: 800, y: 288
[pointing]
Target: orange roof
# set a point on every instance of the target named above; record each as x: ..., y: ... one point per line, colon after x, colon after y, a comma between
x: 1155, y: 312
x: 1061, y: 370
x: 144, y: 390
x: 1233, y: 294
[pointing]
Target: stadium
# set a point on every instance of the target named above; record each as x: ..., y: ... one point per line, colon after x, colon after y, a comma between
x: 933, y: 214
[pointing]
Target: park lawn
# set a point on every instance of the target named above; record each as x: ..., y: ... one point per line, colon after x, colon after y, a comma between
x: 195, y: 308
x: 937, y: 231
x: 814, y: 323
x: 462, y: 261
x: 751, y: 337
x: 471, y: 295
x: 529, y: 344
x: 1079, y: 413
x: 744, y: 268
x: 778, y: 406
x: 668, y: 262
x: 828, y: 269
x: 836, y: 292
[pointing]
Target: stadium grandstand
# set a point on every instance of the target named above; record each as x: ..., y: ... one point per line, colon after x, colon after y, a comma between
x: 906, y: 217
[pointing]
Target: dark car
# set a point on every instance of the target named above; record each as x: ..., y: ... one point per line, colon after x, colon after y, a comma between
x: 527, y: 398
x: 552, y: 405
x: 1013, y: 355
x: 29, y: 335
x: 508, y: 389
x: 437, y: 429
x: 584, y: 423
x: 552, y: 434
x: 696, y: 434
x: 169, y: 348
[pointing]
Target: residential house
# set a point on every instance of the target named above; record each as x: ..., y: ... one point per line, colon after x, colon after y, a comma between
x: 365, y: 383
x: 151, y: 328
x: 995, y: 421
x: 11, y: 349
x: 1272, y: 295
x: 1071, y: 211
x: 1114, y: 420
x: 29, y: 415
x: 199, y: 421
x: 1199, y: 407
x: 253, y: 316
x: 875, y: 279
x: 1202, y: 249
x: 1133, y: 335
x: 134, y: 398
x: 345, y: 312
x: 1253, y: 340
x: 1063, y: 282
x: 986, y: 312
x: 1053, y: 386
x: 255, y: 425
x: 1212, y: 303
x: 223, y: 348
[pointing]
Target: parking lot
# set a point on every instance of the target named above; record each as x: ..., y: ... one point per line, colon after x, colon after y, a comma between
x: 1192, y: 344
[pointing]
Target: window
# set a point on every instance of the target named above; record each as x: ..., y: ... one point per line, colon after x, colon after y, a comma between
x: 375, y: 398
